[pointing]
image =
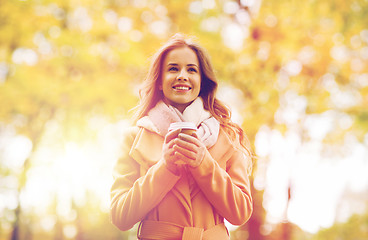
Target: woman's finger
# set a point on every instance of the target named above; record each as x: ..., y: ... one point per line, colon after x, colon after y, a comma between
x: 185, y: 144
x: 187, y: 153
x: 189, y: 139
x: 171, y: 135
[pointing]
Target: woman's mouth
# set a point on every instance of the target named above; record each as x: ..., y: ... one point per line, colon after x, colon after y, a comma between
x: 182, y: 88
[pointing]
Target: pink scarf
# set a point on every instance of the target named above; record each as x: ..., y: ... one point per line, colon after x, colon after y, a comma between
x: 208, y: 127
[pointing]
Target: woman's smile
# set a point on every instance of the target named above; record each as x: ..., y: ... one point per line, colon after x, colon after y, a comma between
x: 181, y: 88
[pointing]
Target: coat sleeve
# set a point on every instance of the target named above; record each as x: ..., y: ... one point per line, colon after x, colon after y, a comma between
x: 227, y: 190
x: 132, y: 195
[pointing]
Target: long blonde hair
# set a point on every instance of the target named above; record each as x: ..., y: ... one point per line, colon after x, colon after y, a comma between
x: 150, y: 93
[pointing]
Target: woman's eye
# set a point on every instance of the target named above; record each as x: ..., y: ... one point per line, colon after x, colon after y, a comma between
x: 192, y: 70
x: 173, y: 69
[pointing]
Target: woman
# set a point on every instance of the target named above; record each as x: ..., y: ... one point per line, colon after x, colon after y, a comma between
x: 190, y: 200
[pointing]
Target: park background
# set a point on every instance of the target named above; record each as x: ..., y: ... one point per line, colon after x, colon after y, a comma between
x: 293, y: 72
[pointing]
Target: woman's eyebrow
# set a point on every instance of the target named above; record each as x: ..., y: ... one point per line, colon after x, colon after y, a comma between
x: 189, y: 65
x: 192, y: 64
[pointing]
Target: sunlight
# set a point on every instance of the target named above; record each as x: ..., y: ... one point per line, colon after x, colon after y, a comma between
x: 318, y: 183
x: 233, y: 36
x: 25, y: 56
x: 17, y: 150
x: 71, y: 174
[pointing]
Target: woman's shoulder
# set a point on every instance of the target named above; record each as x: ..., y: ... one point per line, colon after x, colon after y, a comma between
x: 224, y: 141
x: 143, y: 125
x: 230, y: 140
x: 228, y: 137
x: 146, y: 123
x: 130, y: 134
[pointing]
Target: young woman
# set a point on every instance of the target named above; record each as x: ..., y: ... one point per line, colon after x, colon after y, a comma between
x: 189, y: 200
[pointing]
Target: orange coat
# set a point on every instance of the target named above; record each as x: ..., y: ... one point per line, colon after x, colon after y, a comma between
x: 201, y: 197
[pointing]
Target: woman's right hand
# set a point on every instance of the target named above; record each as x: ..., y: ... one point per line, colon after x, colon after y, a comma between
x: 168, y: 151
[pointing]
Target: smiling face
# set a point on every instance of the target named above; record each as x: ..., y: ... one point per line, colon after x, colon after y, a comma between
x: 180, y: 78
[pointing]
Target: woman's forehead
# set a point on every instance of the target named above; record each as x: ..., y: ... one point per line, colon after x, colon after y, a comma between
x: 181, y: 55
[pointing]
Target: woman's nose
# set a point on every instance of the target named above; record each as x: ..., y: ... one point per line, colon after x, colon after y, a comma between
x: 183, y: 75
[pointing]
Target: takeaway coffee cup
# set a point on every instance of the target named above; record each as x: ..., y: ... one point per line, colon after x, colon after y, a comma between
x: 185, y: 127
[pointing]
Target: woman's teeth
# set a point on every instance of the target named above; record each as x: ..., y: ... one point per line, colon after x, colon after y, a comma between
x: 181, y: 88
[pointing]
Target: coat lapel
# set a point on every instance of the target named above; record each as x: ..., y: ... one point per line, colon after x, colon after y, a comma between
x: 146, y: 148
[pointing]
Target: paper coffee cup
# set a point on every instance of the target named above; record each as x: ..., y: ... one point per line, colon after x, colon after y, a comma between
x: 186, y: 127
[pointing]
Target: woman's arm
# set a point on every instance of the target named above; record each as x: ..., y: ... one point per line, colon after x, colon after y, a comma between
x: 227, y: 190
x: 132, y: 195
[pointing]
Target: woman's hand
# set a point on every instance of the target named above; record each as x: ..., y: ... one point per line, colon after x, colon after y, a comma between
x: 189, y: 149
x: 168, y: 151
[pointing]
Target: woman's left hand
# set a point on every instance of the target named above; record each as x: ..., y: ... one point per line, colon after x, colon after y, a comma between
x: 189, y: 149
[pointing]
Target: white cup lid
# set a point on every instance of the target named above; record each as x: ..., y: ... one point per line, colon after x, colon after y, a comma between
x: 182, y: 125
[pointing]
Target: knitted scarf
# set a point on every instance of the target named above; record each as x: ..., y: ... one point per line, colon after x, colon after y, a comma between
x: 162, y: 115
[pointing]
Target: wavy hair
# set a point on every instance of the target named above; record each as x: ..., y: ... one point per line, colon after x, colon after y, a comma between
x: 150, y: 94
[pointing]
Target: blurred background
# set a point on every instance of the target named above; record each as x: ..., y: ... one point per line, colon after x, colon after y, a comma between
x: 295, y: 74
